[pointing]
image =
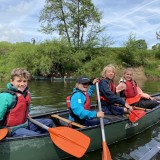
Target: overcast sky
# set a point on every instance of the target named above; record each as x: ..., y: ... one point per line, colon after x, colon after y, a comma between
x: 19, y: 20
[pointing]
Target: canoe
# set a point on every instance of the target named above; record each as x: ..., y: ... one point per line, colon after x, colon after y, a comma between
x: 41, y: 147
x: 54, y: 79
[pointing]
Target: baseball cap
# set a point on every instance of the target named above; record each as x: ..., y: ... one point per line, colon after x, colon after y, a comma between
x: 83, y: 80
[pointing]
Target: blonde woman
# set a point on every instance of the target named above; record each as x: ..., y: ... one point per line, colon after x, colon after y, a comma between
x: 109, y: 100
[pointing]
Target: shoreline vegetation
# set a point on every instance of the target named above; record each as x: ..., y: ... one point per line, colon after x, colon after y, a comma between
x: 83, y: 48
x: 58, y: 59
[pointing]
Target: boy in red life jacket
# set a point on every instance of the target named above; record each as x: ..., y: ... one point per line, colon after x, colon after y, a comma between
x: 15, y: 106
x: 80, y: 103
x: 129, y: 89
x: 108, y: 95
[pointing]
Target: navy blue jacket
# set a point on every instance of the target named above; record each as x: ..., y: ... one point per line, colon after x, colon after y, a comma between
x: 108, y: 94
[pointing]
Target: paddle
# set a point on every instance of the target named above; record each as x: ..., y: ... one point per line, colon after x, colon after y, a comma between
x: 106, y: 153
x: 3, y: 133
x: 67, y: 139
x: 135, y: 115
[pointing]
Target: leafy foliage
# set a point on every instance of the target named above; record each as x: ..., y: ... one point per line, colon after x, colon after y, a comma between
x: 134, y: 44
x: 52, y: 58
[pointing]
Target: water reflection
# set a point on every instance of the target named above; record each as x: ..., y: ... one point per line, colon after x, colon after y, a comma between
x: 49, y: 94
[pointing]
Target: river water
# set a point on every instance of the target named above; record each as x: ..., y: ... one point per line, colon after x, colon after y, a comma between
x: 48, y: 95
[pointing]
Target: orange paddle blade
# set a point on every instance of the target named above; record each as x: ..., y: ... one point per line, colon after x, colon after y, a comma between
x: 106, y: 153
x: 135, y: 115
x: 70, y: 140
x: 3, y: 133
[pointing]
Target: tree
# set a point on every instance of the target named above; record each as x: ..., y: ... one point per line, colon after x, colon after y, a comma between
x: 134, y: 44
x: 130, y: 42
x: 141, y: 44
x: 158, y: 35
x: 78, y: 21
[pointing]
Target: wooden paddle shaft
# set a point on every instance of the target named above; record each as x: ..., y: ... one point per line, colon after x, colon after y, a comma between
x: 67, y: 120
x: 134, y: 107
x: 139, y: 108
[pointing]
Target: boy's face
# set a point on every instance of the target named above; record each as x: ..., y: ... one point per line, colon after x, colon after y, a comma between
x: 83, y: 87
x: 19, y: 82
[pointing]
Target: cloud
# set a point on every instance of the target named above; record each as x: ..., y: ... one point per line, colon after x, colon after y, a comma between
x: 11, y: 33
x: 141, y: 17
x: 19, y: 19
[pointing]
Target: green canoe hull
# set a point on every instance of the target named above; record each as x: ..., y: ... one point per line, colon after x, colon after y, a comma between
x: 42, y: 148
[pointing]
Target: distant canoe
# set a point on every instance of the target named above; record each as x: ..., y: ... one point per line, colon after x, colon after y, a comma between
x: 54, y: 79
x: 40, y: 78
x: 62, y: 79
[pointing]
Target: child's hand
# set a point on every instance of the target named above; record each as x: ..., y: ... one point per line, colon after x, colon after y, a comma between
x: 95, y: 80
x: 100, y: 114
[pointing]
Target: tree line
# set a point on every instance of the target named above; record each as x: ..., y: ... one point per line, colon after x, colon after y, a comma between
x: 55, y: 57
x: 82, y: 46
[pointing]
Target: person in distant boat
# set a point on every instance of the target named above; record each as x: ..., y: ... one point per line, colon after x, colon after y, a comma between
x: 80, y: 103
x: 109, y: 100
x: 133, y: 94
x: 15, y: 106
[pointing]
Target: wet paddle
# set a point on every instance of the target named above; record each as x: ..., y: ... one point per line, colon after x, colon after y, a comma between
x: 135, y: 115
x: 3, y: 133
x: 67, y: 139
x: 106, y: 153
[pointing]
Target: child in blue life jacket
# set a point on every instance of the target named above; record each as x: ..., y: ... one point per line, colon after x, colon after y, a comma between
x: 80, y: 103
x: 15, y: 106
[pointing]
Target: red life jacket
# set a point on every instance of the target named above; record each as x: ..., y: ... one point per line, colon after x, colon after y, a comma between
x: 112, y: 87
x: 86, y: 105
x: 131, y: 89
x: 18, y: 114
x: 131, y: 92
